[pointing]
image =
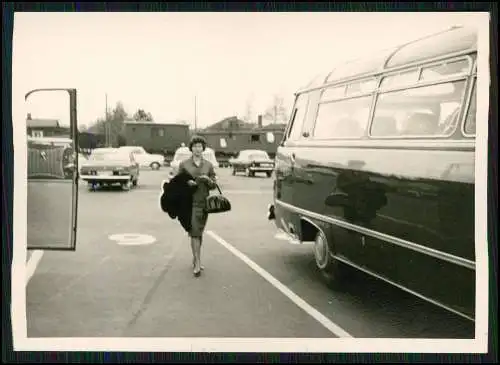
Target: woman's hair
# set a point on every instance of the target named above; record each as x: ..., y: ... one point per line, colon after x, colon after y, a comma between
x: 197, y: 139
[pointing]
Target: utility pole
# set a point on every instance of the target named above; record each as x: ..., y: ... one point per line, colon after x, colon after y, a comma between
x: 106, y: 126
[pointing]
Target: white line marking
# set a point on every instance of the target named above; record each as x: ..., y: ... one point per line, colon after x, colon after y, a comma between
x: 329, y: 325
x: 32, y: 263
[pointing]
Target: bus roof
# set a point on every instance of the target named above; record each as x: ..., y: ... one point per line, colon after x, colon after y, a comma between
x: 455, y: 40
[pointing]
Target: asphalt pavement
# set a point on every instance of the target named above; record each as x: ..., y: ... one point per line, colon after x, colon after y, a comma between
x: 131, y: 276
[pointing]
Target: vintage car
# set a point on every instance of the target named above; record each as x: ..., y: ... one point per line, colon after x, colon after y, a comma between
x: 251, y: 162
x: 143, y: 158
x: 183, y: 153
x: 108, y: 166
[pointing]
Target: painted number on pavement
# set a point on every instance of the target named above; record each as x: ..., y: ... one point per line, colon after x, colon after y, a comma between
x: 132, y: 239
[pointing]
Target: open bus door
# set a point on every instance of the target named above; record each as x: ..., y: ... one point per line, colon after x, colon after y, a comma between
x: 52, y: 186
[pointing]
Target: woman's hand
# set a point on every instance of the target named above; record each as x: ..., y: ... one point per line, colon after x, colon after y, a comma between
x: 210, y: 182
x: 205, y: 178
x: 192, y: 183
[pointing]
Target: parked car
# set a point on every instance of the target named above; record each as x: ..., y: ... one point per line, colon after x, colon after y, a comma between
x: 105, y: 168
x: 183, y: 153
x: 251, y: 162
x: 143, y: 158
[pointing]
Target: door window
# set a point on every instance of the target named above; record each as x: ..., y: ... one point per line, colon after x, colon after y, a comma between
x: 298, y: 114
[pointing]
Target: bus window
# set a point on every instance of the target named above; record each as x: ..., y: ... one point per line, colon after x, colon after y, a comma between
x: 342, y: 119
x: 418, y: 112
x: 337, y: 92
x: 400, y: 79
x: 362, y: 87
x: 445, y: 69
x: 470, y: 121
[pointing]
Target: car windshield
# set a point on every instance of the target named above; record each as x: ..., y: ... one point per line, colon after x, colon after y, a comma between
x: 254, y: 155
x: 209, y: 155
x: 182, y: 156
x: 109, y: 156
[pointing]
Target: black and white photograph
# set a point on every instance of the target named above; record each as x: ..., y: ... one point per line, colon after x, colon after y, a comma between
x: 250, y: 181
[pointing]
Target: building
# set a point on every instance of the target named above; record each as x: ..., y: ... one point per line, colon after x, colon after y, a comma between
x: 231, y: 135
x: 163, y: 138
x: 45, y: 128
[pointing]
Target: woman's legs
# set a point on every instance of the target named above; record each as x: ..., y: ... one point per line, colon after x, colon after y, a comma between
x: 196, y: 249
x: 193, y: 246
x: 198, y: 222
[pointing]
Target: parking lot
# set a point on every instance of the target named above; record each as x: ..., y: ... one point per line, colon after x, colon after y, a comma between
x: 131, y: 276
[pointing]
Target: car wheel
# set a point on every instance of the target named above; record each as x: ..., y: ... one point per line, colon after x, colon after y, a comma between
x: 327, y: 265
x: 155, y: 166
x: 126, y: 185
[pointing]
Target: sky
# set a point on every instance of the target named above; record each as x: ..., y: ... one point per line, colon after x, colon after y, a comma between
x: 161, y: 62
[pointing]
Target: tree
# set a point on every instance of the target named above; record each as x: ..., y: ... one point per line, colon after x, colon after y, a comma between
x: 112, y: 125
x: 277, y: 112
x: 141, y: 116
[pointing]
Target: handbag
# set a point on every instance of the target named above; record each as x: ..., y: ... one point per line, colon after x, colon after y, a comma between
x: 218, y: 203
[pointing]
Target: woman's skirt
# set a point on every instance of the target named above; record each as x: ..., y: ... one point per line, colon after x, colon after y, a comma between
x: 199, y: 218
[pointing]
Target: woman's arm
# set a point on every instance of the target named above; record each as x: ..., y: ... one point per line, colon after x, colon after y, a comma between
x: 212, y: 178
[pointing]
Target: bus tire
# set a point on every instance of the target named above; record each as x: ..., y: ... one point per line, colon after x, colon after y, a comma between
x: 325, y: 262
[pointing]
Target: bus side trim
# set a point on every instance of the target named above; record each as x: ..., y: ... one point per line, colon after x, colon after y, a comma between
x: 460, y: 261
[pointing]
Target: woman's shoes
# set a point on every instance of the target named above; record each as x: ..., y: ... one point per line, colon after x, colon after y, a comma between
x: 197, y: 273
x: 201, y: 266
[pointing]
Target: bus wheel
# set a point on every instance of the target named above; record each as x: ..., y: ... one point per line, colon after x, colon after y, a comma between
x: 327, y: 265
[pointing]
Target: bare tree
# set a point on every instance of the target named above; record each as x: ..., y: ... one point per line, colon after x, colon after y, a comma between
x: 141, y: 116
x: 277, y: 112
x: 112, y: 125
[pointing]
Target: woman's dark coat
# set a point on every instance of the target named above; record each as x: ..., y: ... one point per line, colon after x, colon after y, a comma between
x: 177, y: 199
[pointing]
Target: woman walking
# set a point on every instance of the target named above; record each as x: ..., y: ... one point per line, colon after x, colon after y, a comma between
x: 204, y: 176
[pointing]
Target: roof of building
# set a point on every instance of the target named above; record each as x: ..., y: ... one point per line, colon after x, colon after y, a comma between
x: 41, y: 123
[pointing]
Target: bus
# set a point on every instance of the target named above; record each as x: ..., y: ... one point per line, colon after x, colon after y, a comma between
x: 376, y: 168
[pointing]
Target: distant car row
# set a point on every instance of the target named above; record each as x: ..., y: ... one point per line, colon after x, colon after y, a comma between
x: 121, y: 166
x: 248, y: 161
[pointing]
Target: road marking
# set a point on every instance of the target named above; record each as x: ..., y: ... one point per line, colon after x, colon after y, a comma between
x: 132, y: 239
x: 32, y: 263
x: 323, y: 320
